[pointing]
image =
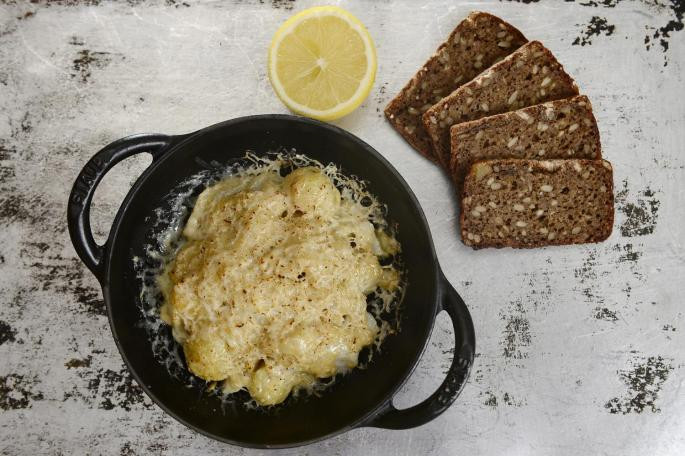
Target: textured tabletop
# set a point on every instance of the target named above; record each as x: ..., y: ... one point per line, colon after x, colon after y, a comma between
x: 581, y: 349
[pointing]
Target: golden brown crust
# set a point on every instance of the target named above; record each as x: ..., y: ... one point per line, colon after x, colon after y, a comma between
x: 529, y: 76
x: 564, y: 128
x: 531, y: 203
x: 454, y: 63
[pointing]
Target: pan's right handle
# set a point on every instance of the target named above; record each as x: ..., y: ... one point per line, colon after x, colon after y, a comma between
x: 464, y: 352
x: 78, y: 210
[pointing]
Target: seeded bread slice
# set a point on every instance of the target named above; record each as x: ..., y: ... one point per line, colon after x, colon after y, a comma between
x: 531, y: 203
x: 529, y: 76
x: 557, y: 129
x: 478, y: 41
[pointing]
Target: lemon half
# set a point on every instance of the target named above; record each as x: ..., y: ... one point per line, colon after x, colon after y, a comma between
x: 322, y: 62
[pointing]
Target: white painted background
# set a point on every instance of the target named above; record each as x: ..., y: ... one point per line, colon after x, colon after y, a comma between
x: 174, y: 69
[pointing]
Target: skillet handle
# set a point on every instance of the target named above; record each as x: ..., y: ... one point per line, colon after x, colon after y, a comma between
x: 78, y: 209
x: 464, y: 349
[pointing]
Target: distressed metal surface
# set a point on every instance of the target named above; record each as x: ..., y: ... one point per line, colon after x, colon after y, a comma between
x: 580, y: 349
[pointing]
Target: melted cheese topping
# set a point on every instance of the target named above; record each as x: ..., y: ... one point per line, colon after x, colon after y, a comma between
x: 269, y: 291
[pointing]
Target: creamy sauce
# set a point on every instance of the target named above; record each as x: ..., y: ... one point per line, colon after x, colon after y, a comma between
x: 269, y: 290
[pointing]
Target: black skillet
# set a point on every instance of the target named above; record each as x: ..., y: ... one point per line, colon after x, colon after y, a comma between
x: 360, y: 398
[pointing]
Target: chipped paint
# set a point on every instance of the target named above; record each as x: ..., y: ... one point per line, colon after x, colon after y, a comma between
x: 602, y: 313
x: 516, y: 335
x: 7, y: 333
x: 662, y: 34
x: 561, y: 331
x: 641, y: 213
x: 18, y: 392
x: 644, y: 379
x: 86, y: 61
x: 106, y: 389
x: 596, y: 27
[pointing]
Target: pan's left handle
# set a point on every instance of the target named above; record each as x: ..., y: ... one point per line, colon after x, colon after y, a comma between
x: 78, y: 209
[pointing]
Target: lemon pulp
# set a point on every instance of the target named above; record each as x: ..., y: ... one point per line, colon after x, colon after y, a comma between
x: 322, y: 63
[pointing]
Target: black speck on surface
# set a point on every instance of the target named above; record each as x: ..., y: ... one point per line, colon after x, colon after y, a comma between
x: 644, y: 380
x: 23, y: 208
x: 283, y: 4
x: 641, y: 214
x: 66, y: 2
x: 629, y: 255
x: 157, y: 448
x: 587, y: 271
x: 76, y: 41
x: 675, y: 9
x: 381, y: 98
x: 17, y: 392
x: 602, y: 313
x: 490, y: 399
x: 597, y: 26
x: 627, y: 290
x: 86, y: 60
x: 7, y: 333
x: 177, y: 3
x: 516, y: 335
x: 126, y: 450
x: 7, y: 170
x: 108, y: 389
x: 604, y: 3
x: 25, y: 124
x: 662, y: 35
x: 69, y: 278
x: 670, y: 328
x: 53, y: 272
x: 508, y: 399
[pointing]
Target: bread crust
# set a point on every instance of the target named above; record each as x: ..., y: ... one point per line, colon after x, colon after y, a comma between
x: 400, y: 110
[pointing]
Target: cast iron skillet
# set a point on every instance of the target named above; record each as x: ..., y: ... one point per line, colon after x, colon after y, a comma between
x: 360, y: 398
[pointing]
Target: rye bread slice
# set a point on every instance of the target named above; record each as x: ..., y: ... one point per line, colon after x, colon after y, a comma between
x: 476, y: 43
x: 557, y: 129
x: 529, y: 76
x: 531, y: 203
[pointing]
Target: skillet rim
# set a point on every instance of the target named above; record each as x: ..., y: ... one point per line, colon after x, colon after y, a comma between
x: 177, y: 142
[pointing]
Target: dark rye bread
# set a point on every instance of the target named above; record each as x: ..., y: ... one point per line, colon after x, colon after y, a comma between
x: 529, y: 76
x: 531, y: 203
x: 478, y: 41
x: 557, y: 129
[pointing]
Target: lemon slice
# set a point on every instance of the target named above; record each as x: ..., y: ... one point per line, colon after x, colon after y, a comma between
x: 322, y: 62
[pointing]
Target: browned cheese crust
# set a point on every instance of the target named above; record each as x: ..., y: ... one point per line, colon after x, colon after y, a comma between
x: 476, y: 43
x: 529, y: 76
x: 557, y: 129
x: 531, y: 203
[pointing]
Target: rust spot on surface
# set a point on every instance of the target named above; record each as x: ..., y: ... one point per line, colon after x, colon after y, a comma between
x: 75, y: 363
